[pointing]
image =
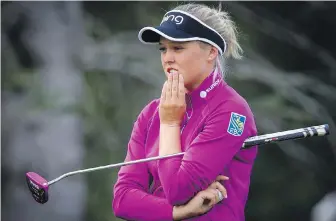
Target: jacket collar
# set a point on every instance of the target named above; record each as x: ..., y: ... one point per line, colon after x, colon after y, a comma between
x: 206, y: 90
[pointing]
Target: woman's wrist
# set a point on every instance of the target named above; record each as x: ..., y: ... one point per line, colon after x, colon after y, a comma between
x: 170, y: 128
x: 177, y: 213
x: 181, y: 212
x: 170, y: 124
x: 169, y: 139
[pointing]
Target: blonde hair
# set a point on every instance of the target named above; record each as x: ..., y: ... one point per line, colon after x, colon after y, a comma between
x: 221, y: 22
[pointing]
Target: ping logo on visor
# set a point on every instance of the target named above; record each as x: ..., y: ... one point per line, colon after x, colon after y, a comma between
x: 177, y: 19
x: 236, y: 124
x: 181, y: 26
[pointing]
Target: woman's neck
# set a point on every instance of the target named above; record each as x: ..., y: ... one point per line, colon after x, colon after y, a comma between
x: 200, y: 80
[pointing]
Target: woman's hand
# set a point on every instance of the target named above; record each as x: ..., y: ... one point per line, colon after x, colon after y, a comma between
x: 172, y: 103
x: 202, y: 202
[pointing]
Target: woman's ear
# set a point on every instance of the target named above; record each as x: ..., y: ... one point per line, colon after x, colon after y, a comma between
x: 212, y: 53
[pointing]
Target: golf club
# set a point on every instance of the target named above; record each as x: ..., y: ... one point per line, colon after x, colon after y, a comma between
x: 39, y: 186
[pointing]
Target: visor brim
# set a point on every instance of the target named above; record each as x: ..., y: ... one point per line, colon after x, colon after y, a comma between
x: 152, y: 35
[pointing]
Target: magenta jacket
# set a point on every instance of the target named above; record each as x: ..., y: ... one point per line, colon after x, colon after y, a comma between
x: 219, y: 121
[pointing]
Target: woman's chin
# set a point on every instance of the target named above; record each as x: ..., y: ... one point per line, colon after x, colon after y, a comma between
x: 187, y: 88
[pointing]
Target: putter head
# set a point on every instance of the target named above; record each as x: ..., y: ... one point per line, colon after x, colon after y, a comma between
x: 38, y: 186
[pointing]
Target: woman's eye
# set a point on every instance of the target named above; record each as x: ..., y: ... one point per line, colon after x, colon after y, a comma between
x: 177, y: 48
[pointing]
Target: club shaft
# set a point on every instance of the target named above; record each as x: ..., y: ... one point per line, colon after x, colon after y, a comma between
x: 321, y: 130
x: 113, y: 165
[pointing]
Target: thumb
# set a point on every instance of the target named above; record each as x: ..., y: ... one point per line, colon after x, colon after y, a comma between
x: 221, y: 178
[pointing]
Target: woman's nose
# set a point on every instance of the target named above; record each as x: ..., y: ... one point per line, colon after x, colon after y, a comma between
x: 168, y: 56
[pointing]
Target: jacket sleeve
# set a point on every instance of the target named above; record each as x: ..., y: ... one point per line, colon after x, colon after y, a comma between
x: 131, y: 199
x: 214, y: 147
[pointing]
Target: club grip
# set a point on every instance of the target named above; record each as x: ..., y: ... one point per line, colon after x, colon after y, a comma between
x: 321, y: 130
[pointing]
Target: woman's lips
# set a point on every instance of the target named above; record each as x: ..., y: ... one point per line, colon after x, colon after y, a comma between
x: 171, y: 70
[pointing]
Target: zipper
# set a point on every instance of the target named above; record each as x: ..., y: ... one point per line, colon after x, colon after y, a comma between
x: 188, y: 116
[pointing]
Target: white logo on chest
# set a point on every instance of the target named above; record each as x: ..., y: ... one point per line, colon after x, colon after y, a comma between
x: 212, y: 86
x: 203, y: 94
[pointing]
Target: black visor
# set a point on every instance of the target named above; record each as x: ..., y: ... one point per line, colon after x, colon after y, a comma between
x: 181, y: 26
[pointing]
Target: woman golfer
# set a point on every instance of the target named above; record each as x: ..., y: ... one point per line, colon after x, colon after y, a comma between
x: 198, y: 113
